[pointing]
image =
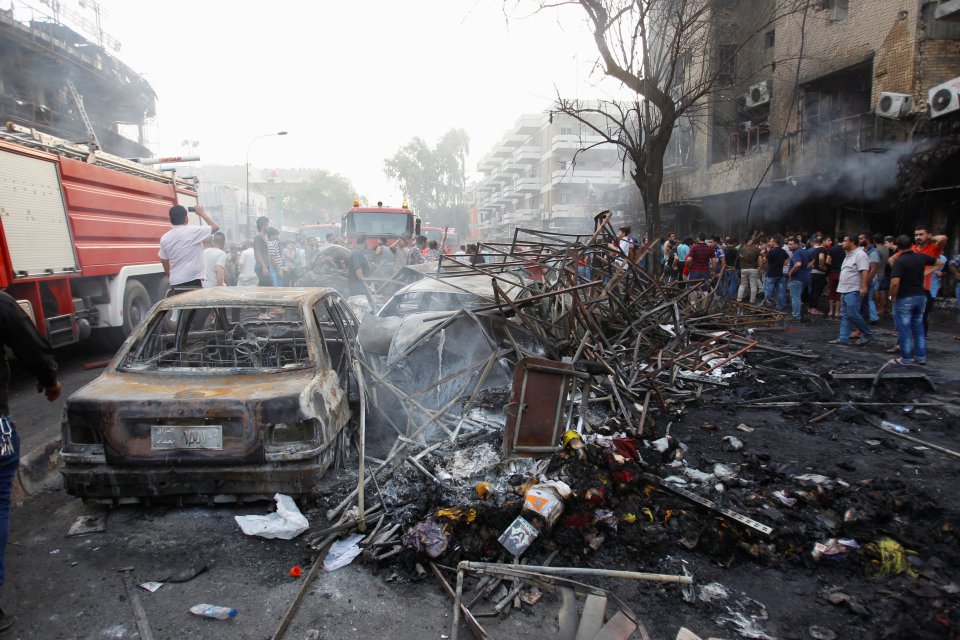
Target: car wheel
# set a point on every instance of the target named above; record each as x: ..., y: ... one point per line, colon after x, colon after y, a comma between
x: 136, y: 304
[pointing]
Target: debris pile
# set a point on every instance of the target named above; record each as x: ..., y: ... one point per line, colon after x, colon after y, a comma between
x: 550, y: 449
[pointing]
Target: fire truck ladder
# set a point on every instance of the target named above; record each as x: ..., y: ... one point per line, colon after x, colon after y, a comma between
x: 78, y: 99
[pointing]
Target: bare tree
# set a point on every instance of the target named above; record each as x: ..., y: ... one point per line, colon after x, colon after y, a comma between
x: 678, y: 58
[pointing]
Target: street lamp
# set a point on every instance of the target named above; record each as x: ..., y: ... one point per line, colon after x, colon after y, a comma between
x: 247, y: 203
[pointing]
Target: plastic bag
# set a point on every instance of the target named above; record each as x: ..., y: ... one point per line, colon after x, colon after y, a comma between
x: 286, y: 523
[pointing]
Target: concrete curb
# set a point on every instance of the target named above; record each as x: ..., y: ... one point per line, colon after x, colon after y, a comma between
x: 39, y: 470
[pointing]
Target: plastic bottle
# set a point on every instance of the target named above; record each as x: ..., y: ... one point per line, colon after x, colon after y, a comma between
x: 899, y: 428
x: 213, y: 611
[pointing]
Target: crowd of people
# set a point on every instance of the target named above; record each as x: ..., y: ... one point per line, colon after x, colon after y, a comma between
x: 268, y: 261
x: 857, y: 279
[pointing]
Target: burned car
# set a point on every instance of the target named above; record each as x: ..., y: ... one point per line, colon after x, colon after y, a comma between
x: 229, y: 391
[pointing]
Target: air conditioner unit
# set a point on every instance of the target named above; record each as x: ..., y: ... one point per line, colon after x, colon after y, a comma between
x: 945, y: 98
x: 894, y: 105
x: 759, y: 94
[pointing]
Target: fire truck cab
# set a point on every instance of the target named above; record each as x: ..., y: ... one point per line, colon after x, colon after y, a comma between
x: 380, y: 222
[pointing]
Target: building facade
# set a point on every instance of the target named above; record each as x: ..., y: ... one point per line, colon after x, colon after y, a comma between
x: 549, y: 174
x: 835, y: 132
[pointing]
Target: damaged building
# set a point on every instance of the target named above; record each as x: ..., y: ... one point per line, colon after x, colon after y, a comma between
x: 843, y: 115
x: 60, y: 76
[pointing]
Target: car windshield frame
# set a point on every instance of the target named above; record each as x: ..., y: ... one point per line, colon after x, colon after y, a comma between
x: 224, y: 338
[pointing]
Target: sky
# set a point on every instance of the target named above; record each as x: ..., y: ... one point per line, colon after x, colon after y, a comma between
x: 351, y: 82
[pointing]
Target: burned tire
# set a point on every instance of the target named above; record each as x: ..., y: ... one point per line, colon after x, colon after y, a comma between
x: 136, y: 304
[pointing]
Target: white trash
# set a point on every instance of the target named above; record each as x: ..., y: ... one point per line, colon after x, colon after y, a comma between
x: 342, y: 552
x: 285, y: 523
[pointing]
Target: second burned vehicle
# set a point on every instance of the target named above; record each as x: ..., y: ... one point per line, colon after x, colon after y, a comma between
x: 223, y: 392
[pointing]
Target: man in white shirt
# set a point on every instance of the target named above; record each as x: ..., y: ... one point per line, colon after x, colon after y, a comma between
x: 248, y: 267
x: 852, y: 286
x: 215, y: 261
x: 181, y: 248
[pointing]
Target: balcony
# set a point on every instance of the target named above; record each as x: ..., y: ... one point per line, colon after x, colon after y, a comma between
x: 530, y: 124
x: 502, y: 152
x: 528, y: 155
x: 574, y: 142
x: 513, y: 167
x: 526, y: 215
x: 569, y: 210
x: 515, y: 140
x: 487, y: 164
x: 527, y: 185
x: 572, y: 175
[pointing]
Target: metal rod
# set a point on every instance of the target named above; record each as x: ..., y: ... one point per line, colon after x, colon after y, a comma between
x: 576, y: 571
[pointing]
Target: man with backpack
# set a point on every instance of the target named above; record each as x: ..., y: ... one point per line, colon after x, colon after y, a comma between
x: 628, y: 245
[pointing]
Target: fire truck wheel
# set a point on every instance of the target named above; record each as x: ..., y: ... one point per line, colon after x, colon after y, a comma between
x: 136, y: 303
x: 160, y: 289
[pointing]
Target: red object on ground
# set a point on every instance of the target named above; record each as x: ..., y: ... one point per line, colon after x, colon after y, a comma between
x: 296, y: 572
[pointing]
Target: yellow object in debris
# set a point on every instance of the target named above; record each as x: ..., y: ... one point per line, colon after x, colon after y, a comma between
x: 667, y: 516
x: 889, y: 558
x: 456, y: 513
x: 629, y: 518
x: 568, y: 436
x: 483, y: 489
x: 646, y: 511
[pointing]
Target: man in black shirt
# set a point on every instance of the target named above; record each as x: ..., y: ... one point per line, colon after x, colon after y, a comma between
x: 359, y: 266
x: 730, y: 282
x: 909, y: 299
x: 18, y: 332
x: 775, y: 279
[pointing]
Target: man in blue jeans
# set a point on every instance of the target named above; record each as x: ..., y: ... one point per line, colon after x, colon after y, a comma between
x: 34, y: 352
x: 852, y: 286
x: 909, y: 300
x: 775, y: 279
x: 798, y: 278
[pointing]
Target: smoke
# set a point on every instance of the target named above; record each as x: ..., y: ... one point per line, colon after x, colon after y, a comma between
x: 807, y: 197
x: 869, y: 175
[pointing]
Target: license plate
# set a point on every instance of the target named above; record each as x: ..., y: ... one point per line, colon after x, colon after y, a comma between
x: 186, y: 437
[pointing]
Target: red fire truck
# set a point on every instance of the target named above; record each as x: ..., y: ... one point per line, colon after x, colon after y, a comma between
x: 79, y: 234
x: 388, y: 223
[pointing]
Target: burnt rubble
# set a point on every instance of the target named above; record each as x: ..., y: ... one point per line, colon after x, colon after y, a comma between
x: 551, y: 444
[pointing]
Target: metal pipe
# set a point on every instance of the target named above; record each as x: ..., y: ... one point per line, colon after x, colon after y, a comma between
x: 576, y: 571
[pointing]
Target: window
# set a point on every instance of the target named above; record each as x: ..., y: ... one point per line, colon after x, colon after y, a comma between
x: 563, y: 165
x: 564, y: 197
x: 261, y: 338
x: 770, y: 39
x: 839, y: 8
x: 726, y: 63
x: 566, y: 131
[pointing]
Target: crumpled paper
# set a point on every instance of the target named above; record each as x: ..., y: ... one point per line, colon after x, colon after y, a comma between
x: 342, y: 552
